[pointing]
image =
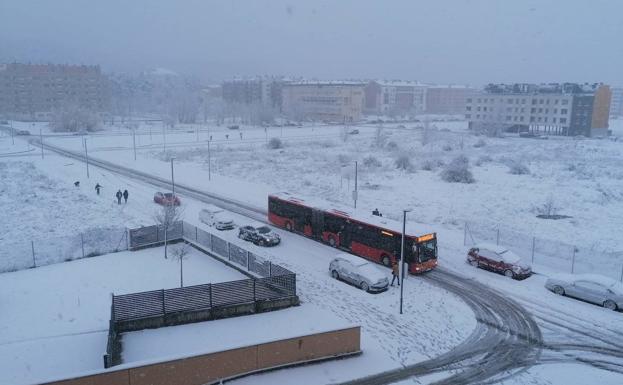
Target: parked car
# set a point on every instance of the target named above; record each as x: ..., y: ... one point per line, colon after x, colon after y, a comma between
x: 259, y: 234
x: 364, y: 274
x: 166, y: 199
x: 353, y: 132
x: 498, y: 259
x: 592, y: 288
x: 22, y: 132
x: 233, y: 127
x: 217, y: 217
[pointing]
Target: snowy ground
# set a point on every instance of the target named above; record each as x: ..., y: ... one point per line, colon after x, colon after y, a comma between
x: 310, y: 162
x: 66, y: 307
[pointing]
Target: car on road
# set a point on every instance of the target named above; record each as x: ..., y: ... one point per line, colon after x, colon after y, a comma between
x: 166, y: 199
x: 353, y: 132
x: 217, y: 217
x: 591, y: 288
x: 359, y: 272
x: 259, y: 234
x: 498, y: 259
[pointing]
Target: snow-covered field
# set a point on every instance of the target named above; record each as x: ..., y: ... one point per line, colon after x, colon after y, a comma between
x: 310, y: 162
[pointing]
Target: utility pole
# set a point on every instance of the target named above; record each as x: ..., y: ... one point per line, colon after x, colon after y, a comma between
x: 41, y: 142
x: 134, y: 142
x: 164, y: 137
x: 209, y: 162
x: 401, y: 272
x: 86, y: 156
x: 12, y: 133
x: 355, y: 192
x: 172, y: 179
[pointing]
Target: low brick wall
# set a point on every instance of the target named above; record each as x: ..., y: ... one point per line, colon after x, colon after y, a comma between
x: 210, y: 368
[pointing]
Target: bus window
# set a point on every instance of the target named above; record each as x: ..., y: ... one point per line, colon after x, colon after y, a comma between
x: 428, y: 250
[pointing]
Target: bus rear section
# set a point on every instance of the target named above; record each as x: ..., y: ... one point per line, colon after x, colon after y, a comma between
x: 351, y: 232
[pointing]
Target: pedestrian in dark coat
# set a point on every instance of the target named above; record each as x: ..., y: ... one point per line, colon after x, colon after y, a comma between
x: 119, y: 195
x: 97, y: 188
x: 395, y: 274
x: 125, y: 195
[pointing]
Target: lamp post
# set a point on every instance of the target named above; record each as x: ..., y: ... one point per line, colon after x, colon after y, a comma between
x: 401, y: 273
x: 41, y: 142
x: 209, y: 161
x: 86, y: 155
x: 355, y: 192
x: 12, y: 133
x: 172, y: 179
x: 134, y: 142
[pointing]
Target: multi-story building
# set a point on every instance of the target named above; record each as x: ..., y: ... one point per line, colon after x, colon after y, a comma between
x: 395, y: 97
x: 34, y: 91
x: 258, y: 90
x: 447, y: 100
x: 616, y: 105
x: 561, y: 109
x: 327, y: 101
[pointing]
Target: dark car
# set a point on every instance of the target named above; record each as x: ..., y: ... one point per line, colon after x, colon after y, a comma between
x: 498, y: 259
x: 259, y: 234
x: 166, y: 199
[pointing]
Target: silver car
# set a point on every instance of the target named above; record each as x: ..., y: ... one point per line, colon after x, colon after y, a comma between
x: 592, y: 288
x: 359, y: 272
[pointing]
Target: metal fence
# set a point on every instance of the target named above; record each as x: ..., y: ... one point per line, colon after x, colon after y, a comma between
x: 26, y: 254
x: 547, y: 253
x: 201, y: 297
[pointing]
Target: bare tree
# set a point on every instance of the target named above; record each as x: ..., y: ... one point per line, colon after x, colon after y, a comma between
x: 166, y: 217
x: 180, y: 253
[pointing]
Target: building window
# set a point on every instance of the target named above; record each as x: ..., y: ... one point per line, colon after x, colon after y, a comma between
x: 565, y: 102
x: 478, y: 108
x: 555, y: 110
x: 545, y: 119
x: 532, y: 118
x: 556, y: 101
x: 540, y: 110
x: 534, y: 101
x: 469, y: 100
x: 563, y: 120
x: 508, y: 118
x: 477, y: 116
x: 469, y: 108
x: 523, y: 109
x: 547, y: 110
x: 540, y: 101
x: 563, y: 111
x: 521, y: 118
x: 523, y: 101
x: 533, y: 110
x: 539, y: 119
x: 547, y: 101
x: 484, y: 108
x: 553, y: 120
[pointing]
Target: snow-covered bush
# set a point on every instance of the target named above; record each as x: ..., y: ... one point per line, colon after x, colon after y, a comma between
x: 371, y: 162
x: 447, y: 147
x: 480, y: 143
x: 73, y: 118
x: 518, y: 168
x: 275, y: 143
x: 391, y: 145
x: 483, y: 159
x: 549, y: 207
x: 403, y: 162
x: 457, y: 171
x: 431, y: 164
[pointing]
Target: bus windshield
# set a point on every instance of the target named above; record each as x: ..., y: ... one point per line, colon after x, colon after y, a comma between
x: 428, y: 250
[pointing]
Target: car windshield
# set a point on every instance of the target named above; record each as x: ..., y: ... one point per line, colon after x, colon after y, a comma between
x: 168, y: 195
x: 263, y: 230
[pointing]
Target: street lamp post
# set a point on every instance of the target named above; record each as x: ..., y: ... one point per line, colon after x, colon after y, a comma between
x: 209, y: 162
x: 172, y: 179
x: 134, y: 142
x: 355, y: 192
x: 86, y: 155
x: 12, y: 133
x: 401, y: 273
x: 41, y: 142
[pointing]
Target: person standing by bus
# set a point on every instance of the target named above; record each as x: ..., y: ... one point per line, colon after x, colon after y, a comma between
x: 395, y: 273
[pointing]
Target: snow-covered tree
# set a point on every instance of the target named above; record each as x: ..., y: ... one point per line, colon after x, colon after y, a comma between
x: 166, y: 217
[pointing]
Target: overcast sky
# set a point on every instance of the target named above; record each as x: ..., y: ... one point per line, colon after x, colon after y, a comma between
x: 442, y: 41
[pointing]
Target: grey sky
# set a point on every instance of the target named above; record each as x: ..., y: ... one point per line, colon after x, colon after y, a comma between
x: 443, y: 41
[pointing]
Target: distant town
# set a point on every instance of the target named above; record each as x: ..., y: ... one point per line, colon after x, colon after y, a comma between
x: 43, y: 92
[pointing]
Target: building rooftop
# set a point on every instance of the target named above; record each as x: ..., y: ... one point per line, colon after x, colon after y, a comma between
x: 543, y: 88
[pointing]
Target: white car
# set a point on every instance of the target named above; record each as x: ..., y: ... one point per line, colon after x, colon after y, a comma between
x: 365, y: 275
x: 217, y: 217
x: 592, y: 288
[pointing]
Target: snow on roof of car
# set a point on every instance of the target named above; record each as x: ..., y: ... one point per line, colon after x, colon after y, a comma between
x: 491, y: 246
x: 596, y: 278
x: 355, y: 260
x: 507, y: 255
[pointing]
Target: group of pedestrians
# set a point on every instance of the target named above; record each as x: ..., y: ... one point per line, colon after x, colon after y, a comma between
x: 123, y: 195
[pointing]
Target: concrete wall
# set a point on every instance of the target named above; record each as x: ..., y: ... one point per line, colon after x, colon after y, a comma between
x: 209, y: 368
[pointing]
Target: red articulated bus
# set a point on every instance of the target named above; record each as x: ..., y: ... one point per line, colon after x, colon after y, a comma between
x: 369, y: 236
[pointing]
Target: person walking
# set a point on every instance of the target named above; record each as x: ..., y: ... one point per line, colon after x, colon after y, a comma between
x: 125, y: 195
x: 97, y: 188
x: 119, y: 195
x: 395, y: 274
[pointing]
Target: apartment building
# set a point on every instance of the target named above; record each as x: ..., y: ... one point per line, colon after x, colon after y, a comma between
x: 394, y: 97
x: 34, y: 91
x: 616, y: 105
x: 260, y: 90
x: 447, y: 100
x: 559, y: 109
x: 324, y: 101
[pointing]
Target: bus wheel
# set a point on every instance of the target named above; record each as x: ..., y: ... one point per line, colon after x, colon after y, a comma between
x: 385, y: 260
x: 332, y: 241
x: 288, y: 226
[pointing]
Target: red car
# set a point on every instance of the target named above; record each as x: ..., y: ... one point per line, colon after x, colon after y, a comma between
x: 498, y: 259
x: 166, y: 199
